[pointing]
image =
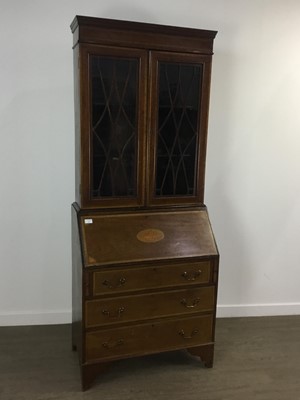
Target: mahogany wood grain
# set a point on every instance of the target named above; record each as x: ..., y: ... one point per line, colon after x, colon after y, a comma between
x: 112, y: 238
x: 144, y: 266
x: 148, y: 306
x: 121, y: 280
x: 165, y: 335
x: 141, y: 35
x: 149, y: 44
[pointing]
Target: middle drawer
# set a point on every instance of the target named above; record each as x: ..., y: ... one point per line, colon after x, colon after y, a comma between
x: 147, y: 306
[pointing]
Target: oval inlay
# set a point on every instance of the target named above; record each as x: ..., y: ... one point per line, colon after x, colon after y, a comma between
x: 150, y: 235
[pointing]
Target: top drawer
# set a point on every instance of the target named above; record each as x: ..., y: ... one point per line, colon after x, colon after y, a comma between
x: 130, y: 279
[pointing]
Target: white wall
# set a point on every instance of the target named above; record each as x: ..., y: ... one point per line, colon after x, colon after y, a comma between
x: 253, y: 167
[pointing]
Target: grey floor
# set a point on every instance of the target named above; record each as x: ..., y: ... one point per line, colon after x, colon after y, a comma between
x: 255, y: 358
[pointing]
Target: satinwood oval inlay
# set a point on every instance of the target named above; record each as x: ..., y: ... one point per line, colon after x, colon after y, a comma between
x: 150, y: 235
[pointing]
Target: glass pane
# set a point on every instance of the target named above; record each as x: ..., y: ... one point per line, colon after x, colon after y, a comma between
x: 114, y: 84
x: 178, y: 116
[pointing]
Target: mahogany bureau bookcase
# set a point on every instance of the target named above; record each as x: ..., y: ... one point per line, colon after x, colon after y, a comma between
x: 145, y: 262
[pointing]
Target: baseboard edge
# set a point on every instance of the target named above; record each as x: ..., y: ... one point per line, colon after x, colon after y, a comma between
x: 35, y: 318
x: 257, y: 310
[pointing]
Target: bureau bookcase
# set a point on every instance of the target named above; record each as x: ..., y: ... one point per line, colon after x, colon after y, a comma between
x: 145, y: 262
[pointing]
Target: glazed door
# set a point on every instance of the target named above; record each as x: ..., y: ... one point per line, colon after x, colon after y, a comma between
x: 179, y: 102
x: 113, y: 126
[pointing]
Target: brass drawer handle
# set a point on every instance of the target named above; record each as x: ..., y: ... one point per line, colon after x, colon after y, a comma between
x: 110, y: 285
x: 192, y: 305
x: 108, y: 345
x: 193, y: 333
x: 117, y: 314
x: 191, y: 276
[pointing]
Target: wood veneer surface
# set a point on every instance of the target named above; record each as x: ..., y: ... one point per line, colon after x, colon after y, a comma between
x: 113, y: 239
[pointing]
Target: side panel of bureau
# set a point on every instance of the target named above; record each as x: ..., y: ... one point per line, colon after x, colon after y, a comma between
x: 77, y: 328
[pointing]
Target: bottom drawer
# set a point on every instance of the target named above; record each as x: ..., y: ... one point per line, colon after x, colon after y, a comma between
x: 149, y: 338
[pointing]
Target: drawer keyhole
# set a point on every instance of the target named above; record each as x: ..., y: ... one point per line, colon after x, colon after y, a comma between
x: 108, y: 345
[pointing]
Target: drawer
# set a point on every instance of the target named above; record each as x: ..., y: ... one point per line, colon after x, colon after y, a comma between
x: 149, y: 338
x: 122, y: 280
x: 150, y: 305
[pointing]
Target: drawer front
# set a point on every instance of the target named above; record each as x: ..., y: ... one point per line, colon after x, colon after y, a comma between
x: 150, y: 305
x: 122, y: 280
x: 149, y: 338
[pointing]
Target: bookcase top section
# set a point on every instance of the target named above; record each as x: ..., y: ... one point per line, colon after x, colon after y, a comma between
x: 141, y: 237
x: 141, y: 35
